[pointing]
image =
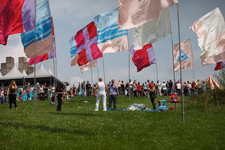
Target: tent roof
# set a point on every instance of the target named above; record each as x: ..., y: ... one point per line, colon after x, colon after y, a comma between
x: 212, y: 83
x: 0, y: 74
x: 13, y: 74
x: 49, y: 70
x: 24, y: 73
x: 41, y: 72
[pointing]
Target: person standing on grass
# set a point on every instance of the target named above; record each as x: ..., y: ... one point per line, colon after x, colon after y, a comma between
x: 152, y: 94
x: 59, y: 92
x: 113, y: 90
x: 12, y: 94
x: 101, y: 86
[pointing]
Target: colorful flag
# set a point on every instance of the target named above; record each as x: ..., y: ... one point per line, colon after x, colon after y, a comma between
x: 110, y: 39
x: 44, y: 38
x: 89, y: 66
x: 220, y: 65
x: 73, y: 51
x: 133, y: 13
x: 210, y: 30
x: 16, y: 16
x: 186, y: 55
x: 152, y: 31
x: 44, y: 57
x: 87, y: 48
x: 144, y: 57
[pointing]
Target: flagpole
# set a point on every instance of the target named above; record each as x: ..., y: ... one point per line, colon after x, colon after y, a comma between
x: 35, y: 85
x: 92, y: 82
x: 128, y: 65
x: 97, y: 71
x: 103, y: 68
x: 182, y: 99
x: 157, y: 71
x: 172, y: 53
x: 193, y: 65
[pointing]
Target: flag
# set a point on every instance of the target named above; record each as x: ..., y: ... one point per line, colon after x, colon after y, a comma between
x: 16, y: 16
x: 220, y: 65
x: 152, y: 31
x: 44, y: 37
x: 210, y: 30
x: 133, y: 13
x: 144, y: 57
x: 73, y: 51
x: 86, y: 40
x: 186, y: 55
x: 89, y: 66
x: 110, y: 39
x: 44, y: 57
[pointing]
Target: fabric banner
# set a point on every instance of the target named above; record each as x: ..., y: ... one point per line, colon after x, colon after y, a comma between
x: 186, y: 55
x: 16, y: 16
x: 220, y: 65
x: 133, y: 13
x: 86, y: 40
x: 210, y: 30
x: 152, y: 31
x: 73, y: 52
x: 144, y: 57
x: 89, y: 66
x: 48, y: 56
x: 110, y: 39
x: 44, y: 37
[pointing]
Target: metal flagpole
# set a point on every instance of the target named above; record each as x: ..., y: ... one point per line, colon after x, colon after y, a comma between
x: 35, y: 86
x: 103, y: 69
x: 174, y: 80
x: 97, y: 72
x: 92, y: 82
x: 157, y: 71
x: 182, y: 98
x: 128, y: 66
x: 193, y: 65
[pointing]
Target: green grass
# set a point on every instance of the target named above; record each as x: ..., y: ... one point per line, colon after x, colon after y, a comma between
x: 78, y: 126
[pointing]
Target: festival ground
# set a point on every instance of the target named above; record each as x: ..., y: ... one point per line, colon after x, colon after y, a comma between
x: 78, y: 126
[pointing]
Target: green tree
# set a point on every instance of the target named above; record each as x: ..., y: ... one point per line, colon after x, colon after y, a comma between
x: 220, y: 76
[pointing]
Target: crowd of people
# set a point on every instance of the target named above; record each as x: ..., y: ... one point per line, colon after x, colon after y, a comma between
x: 112, y: 89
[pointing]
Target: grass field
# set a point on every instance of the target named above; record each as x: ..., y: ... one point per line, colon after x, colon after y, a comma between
x: 78, y: 126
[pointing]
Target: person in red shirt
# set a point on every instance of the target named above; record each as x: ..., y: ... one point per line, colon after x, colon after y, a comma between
x: 152, y: 94
x: 139, y: 89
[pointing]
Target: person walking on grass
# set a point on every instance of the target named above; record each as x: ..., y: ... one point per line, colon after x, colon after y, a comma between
x: 59, y: 92
x: 113, y: 90
x: 152, y: 94
x: 12, y: 94
x: 101, y: 86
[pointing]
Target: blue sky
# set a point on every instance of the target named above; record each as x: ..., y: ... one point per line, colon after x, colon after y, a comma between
x: 72, y: 15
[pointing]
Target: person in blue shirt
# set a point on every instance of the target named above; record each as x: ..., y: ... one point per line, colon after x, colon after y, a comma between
x: 113, y: 90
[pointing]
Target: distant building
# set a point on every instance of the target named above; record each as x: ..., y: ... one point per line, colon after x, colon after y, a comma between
x: 22, y: 65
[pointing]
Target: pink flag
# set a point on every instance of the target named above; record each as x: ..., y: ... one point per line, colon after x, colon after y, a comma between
x: 210, y: 30
x: 89, y: 66
x: 16, y: 16
x: 133, y: 13
x: 186, y: 55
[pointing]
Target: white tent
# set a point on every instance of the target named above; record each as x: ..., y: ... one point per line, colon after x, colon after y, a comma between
x: 0, y: 74
x: 41, y: 72
x: 24, y: 73
x: 13, y: 74
x: 49, y: 70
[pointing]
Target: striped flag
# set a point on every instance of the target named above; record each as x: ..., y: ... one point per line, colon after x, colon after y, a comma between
x: 73, y: 51
x: 144, y: 57
x: 44, y: 37
x: 110, y: 39
x: 16, y: 16
x: 89, y: 66
x: 48, y: 56
x: 87, y: 48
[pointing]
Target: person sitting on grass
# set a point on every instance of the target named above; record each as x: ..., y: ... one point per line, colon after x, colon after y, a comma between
x: 163, y: 106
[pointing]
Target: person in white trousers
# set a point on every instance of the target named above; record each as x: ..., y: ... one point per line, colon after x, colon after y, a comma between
x: 101, y: 86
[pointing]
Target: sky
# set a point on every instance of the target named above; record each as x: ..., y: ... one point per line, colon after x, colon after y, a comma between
x: 72, y: 15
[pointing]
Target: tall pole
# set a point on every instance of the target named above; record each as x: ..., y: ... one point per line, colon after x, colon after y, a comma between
x: 157, y: 77
x: 35, y: 85
x: 128, y: 66
x: 97, y: 72
x: 172, y: 53
x: 103, y: 68
x: 92, y: 82
x: 182, y: 98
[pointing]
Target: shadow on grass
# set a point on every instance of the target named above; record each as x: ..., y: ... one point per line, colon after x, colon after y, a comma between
x: 74, y: 114
x: 43, y: 128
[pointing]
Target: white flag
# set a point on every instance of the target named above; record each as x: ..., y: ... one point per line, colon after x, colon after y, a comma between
x: 152, y: 31
x: 89, y: 66
x: 210, y: 30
